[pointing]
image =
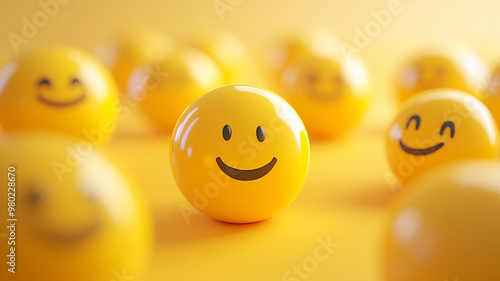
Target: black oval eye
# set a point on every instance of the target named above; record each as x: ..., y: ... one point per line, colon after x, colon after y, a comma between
x: 312, y: 78
x: 44, y: 81
x: 448, y: 124
x: 338, y: 79
x: 75, y: 81
x: 226, y: 132
x: 35, y: 197
x: 417, y: 121
x: 261, y: 134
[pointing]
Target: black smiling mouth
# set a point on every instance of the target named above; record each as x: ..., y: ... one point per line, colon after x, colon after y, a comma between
x: 73, y: 237
x: 246, y: 175
x: 61, y: 104
x: 420, y: 152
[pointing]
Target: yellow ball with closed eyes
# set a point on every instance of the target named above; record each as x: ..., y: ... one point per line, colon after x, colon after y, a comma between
x: 77, y: 216
x: 58, y: 89
x: 239, y: 154
x: 439, y: 126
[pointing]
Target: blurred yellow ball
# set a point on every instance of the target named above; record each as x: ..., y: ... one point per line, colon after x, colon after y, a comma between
x: 330, y: 94
x: 228, y: 52
x: 78, y: 217
x: 239, y: 154
x: 309, y: 42
x: 437, y: 127
x: 131, y: 49
x: 445, y: 227
x: 452, y: 68
x: 58, y: 89
x: 166, y: 88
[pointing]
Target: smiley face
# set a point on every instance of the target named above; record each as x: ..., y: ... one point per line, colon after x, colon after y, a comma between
x: 45, y: 86
x: 166, y: 88
x: 437, y: 127
x: 245, y: 175
x: 428, y: 150
x: 324, y: 90
x: 69, y: 214
x: 454, y: 69
x: 58, y: 89
x: 239, y: 154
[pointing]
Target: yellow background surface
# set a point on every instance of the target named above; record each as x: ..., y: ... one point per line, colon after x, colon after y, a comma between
x: 346, y: 193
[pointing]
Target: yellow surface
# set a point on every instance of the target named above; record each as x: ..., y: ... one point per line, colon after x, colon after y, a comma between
x: 346, y: 192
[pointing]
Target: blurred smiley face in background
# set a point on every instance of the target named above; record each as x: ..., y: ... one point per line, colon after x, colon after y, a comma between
x: 440, y: 126
x: 78, y: 217
x: 331, y: 94
x: 454, y: 68
x: 239, y: 154
x: 167, y: 87
x: 58, y: 89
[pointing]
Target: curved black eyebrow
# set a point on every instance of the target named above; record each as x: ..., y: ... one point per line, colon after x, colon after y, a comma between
x: 75, y: 81
x: 450, y: 125
x: 44, y: 81
x: 417, y: 121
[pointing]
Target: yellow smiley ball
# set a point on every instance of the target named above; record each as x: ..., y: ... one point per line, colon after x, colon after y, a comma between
x: 239, y: 154
x: 331, y: 94
x: 445, y: 227
x: 131, y: 49
x: 164, y: 89
x: 58, y: 89
x: 454, y: 68
x: 437, y: 127
x: 228, y: 52
x: 78, y: 217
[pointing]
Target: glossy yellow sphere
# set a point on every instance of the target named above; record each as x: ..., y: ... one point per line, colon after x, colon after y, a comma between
x: 445, y: 227
x: 228, y: 52
x: 164, y: 89
x: 130, y: 50
x: 437, y: 127
x: 78, y: 217
x: 331, y: 94
x: 310, y: 42
x: 58, y: 89
x: 239, y: 154
x: 458, y: 69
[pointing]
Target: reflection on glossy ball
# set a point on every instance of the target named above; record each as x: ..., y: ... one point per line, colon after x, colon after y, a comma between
x: 78, y: 218
x: 444, y: 227
x: 166, y: 88
x: 58, y: 89
x: 331, y: 94
x: 491, y: 95
x: 239, y: 154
